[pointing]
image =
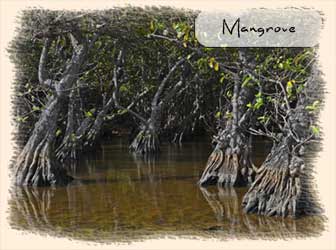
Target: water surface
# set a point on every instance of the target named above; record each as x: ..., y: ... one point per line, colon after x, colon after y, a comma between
x: 120, y: 197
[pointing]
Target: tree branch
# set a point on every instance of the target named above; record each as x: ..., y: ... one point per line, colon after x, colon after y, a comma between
x: 115, y: 94
x: 171, y: 93
x: 164, y: 81
x: 42, y: 75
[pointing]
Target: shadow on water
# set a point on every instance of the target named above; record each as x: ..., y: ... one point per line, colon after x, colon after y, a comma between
x: 120, y: 197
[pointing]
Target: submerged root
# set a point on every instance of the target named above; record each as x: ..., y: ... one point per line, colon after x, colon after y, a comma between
x: 145, y: 143
x: 277, y: 190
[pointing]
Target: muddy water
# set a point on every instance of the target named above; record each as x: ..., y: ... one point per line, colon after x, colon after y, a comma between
x: 118, y: 197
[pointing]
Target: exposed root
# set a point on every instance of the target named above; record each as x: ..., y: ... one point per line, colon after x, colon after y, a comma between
x: 68, y: 148
x: 146, y: 142
x: 73, y: 143
x: 277, y: 190
x: 228, y: 167
x: 36, y: 167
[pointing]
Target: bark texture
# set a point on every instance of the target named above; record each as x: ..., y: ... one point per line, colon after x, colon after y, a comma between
x: 283, y: 184
x: 230, y: 163
x: 36, y: 164
x: 146, y: 142
x: 277, y: 190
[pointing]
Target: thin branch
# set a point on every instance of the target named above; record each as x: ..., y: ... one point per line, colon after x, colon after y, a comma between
x: 259, y: 132
x: 42, y: 75
x: 171, y: 93
x: 74, y: 41
x: 164, y: 81
x: 115, y: 94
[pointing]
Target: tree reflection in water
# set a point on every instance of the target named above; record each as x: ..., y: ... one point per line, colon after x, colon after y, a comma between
x: 226, y: 206
x: 121, y: 197
x: 78, y: 212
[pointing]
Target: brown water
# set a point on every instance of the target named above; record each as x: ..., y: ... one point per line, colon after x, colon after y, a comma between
x: 121, y: 198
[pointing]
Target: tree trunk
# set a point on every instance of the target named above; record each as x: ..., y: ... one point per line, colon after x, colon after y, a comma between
x: 36, y: 165
x: 230, y: 163
x: 66, y: 147
x: 146, y: 142
x: 283, y: 183
x: 86, y: 134
x: 277, y: 190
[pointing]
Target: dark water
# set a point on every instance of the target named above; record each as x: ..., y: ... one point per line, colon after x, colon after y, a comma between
x: 119, y: 197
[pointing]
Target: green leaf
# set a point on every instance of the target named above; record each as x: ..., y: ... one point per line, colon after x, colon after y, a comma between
x: 206, y: 49
x: 218, y: 114
x: 249, y: 105
x: 228, y: 115
x: 259, y: 103
x: 315, y: 130
x: 269, y: 99
x: 123, y: 88
x: 221, y: 80
x: 263, y: 119
x: 300, y: 88
x: 88, y: 114
x: 316, y: 103
x: 122, y: 111
x: 211, y: 62
x: 246, y: 81
x: 35, y: 108
x: 160, y: 25
x: 186, y: 37
x: 180, y: 34
x: 289, y: 88
x: 152, y: 26
x: 280, y: 65
x: 216, y: 66
x: 22, y: 119
x: 313, y: 107
x: 58, y: 132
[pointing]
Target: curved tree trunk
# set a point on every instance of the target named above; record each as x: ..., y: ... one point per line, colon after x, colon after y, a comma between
x: 36, y: 165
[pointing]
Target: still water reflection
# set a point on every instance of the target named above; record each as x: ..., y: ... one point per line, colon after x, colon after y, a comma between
x: 119, y: 197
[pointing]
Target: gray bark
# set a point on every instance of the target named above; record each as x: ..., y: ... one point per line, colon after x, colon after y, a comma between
x: 147, y: 140
x: 282, y: 186
x: 36, y: 164
x: 230, y: 163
